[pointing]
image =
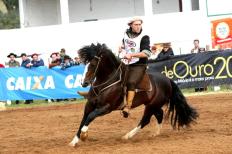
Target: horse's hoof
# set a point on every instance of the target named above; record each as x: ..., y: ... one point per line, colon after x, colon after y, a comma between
x: 84, y: 136
x: 74, y: 142
x: 125, y: 114
x: 125, y: 137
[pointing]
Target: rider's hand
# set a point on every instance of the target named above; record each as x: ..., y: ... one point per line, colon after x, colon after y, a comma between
x: 128, y: 57
x: 29, y: 65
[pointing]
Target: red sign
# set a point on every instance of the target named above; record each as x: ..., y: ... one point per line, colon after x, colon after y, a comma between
x: 221, y: 33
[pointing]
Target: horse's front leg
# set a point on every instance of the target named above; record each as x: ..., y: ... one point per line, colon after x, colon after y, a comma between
x: 89, y: 115
x: 88, y: 109
x: 96, y: 113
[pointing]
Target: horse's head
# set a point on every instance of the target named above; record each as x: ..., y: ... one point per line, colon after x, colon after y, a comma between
x: 99, y: 62
x: 90, y: 71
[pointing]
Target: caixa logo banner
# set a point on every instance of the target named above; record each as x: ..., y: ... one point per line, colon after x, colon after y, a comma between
x: 40, y: 83
x: 194, y: 70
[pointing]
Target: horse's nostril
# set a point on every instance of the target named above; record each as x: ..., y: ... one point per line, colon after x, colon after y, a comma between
x: 85, y: 84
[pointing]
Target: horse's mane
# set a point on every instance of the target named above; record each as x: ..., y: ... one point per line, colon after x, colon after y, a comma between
x: 87, y: 53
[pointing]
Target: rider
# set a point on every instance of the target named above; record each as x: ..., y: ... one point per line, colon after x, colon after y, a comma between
x: 135, y: 50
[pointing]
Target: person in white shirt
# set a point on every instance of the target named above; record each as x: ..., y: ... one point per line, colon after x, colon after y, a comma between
x: 197, y: 48
x: 135, y: 52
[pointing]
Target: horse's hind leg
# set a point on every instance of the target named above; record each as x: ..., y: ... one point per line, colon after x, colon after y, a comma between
x: 158, y: 113
x: 144, y: 121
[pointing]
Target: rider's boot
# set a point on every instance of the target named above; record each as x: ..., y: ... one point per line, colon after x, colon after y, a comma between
x: 126, y: 109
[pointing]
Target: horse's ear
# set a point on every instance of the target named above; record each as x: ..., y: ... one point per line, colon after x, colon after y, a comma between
x: 98, y: 48
x: 105, y: 46
x: 92, y: 46
x: 99, y: 45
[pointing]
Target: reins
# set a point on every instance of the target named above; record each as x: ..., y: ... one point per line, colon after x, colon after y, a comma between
x: 95, y: 71
x: 94, y: 87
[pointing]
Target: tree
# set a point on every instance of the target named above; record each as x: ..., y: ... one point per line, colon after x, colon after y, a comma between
x: 11, y: 4
x: 9, y: 14
x: 3, y: 7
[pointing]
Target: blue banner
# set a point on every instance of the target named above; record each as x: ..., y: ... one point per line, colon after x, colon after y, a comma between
x: 40, y: 83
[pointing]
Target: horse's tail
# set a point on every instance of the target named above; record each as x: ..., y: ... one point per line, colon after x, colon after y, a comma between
x: 181, y: 113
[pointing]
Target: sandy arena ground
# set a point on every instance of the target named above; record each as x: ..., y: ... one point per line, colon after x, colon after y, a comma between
x: 50, y: 129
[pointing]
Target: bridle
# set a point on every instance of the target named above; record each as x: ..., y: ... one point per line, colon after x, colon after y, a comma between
x: 96, y: 69
x: 112, y: 76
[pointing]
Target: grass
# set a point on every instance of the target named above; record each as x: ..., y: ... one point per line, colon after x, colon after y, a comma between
x: 42, y: 103
x: 210, y: 90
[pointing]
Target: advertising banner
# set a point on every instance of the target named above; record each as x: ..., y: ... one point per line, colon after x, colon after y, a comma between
x: 197, y: 70
x: 40, y: 83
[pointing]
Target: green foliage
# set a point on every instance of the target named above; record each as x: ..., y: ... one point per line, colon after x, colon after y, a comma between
x: 10, y: 20
x: 11, y: 4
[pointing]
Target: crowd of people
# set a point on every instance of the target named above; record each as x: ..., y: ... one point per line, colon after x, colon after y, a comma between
x: 65, y: 61
x: 28, y: 61
x: 167, y: 53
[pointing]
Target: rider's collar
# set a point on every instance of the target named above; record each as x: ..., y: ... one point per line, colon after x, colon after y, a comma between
x: 132, y: 34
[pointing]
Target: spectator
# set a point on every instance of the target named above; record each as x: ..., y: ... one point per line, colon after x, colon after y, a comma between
x: 13, y: 63
x: 26, y: 63
x: 62, y: 54
x: 197, y: 48
x: 77, y: 61
x: 68, y: 62
x: 58, y: 55
x: 2, y: 66
x: 36, y: 62
x: 154, y: 53
x: 56, y: 61
x: 207, y: 48
x: 166, y: 52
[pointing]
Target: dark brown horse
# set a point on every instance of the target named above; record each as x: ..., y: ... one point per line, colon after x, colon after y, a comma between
x: 106, y: 74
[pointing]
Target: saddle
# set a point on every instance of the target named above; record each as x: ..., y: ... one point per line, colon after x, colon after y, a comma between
x: 145, y: 84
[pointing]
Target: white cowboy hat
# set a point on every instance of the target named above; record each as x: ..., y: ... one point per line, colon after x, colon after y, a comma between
x: 133, y: 20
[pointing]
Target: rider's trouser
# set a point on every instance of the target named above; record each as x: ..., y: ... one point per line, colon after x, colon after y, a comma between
x: 135, y: 75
